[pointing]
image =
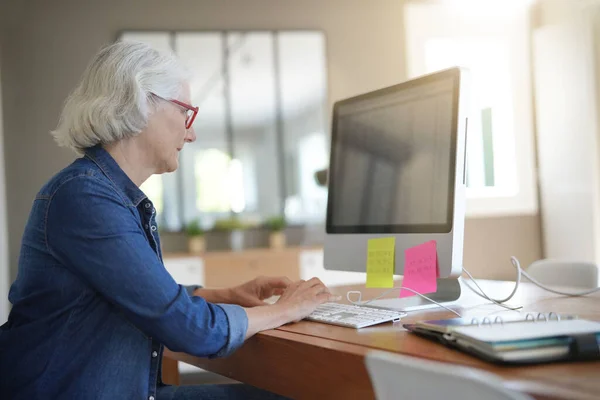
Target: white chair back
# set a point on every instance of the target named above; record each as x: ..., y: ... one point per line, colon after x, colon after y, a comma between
x: 582, y: 275
x: 396, y: 376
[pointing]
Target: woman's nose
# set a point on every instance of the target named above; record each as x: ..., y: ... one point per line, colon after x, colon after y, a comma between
x: 190, y: 135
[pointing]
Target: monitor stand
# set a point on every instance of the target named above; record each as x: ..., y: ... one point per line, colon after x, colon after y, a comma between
x: 448, y: 290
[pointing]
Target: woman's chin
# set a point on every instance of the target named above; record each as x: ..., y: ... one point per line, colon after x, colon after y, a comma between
x: 171, y: 166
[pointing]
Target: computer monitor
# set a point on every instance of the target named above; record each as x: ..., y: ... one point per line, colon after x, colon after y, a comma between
x: 397, y: 168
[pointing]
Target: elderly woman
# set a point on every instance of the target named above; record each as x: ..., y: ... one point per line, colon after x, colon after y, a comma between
x: 93, y: 305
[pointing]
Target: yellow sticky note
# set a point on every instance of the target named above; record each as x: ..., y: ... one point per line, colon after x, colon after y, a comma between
x: 380, y: 262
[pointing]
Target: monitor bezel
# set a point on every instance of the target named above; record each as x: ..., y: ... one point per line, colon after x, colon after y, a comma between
x: 453, y: 73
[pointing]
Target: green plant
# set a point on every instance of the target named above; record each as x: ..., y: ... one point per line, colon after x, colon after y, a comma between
x: 229, y: 224
x: 193, y: 228
x: 276, y: 224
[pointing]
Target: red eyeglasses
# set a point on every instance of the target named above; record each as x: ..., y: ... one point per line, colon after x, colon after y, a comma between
x: 191, y: 111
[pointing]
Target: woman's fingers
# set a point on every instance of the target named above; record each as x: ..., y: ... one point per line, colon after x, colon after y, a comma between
x: 279, y: 282
x: 315, y: 281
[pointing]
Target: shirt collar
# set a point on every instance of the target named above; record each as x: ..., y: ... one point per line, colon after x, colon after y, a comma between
x: 111, y: 169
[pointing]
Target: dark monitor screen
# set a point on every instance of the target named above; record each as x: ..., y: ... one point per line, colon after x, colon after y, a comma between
x: 393, y: 159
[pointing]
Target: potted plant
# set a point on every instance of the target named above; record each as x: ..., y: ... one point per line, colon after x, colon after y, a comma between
x: 276, y: 226
x: 195, y: 236
x: 235, y: 227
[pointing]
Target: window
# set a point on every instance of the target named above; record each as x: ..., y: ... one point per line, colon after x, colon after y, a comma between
x: 215, y: 188
x: 261, y: 127
x: 153, y: 187
x: 490, y: 121
x: 489, y: 38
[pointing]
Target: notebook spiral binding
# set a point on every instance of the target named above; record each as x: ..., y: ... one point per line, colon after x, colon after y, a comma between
x: 552, y: 316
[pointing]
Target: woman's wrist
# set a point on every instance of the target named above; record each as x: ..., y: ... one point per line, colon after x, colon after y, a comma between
x: 282, y: 313
x: 262, y: 318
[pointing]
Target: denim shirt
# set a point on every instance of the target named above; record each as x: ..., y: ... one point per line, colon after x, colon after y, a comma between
x: 93, y: 304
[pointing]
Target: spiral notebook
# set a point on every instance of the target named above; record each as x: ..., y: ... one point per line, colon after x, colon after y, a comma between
x: 533, y: 339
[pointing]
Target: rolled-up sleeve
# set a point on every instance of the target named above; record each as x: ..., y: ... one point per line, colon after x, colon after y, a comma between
x: 96, y: 236
x: 238, y: 326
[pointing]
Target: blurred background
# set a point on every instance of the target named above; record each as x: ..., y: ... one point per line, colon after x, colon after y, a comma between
x: 250, y: 194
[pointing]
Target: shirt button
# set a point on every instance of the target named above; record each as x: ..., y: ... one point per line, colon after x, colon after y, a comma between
x: 154, y: 354
x: 147, y: 205
x: 153, y: 228
x: 151, y: 398
x: 146, y: 226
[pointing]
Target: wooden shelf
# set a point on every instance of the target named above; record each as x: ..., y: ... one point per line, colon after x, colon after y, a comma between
x: 258, y: 251
x: 229, y: 268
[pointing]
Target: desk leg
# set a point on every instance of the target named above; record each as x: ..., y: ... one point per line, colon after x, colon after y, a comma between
x: 170, y: 371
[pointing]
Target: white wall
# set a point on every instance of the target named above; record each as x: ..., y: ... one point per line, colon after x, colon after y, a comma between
x: 4, y: 276
x: 567, y: 128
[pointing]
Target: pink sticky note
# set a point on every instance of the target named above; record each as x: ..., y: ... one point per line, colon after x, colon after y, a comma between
x: 420, y: 269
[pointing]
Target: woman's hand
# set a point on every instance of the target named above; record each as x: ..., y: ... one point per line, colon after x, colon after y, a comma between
x: 302, y: 298
x: 296, y: 302
x: 254, y: 292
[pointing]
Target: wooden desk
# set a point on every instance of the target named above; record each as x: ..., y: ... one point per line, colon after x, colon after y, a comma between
x: 309, y: 360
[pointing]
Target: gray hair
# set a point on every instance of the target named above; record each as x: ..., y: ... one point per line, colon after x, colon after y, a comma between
x: 113, y: 99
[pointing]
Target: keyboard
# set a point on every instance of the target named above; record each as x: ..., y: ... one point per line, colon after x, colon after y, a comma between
x: 353, y: 316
